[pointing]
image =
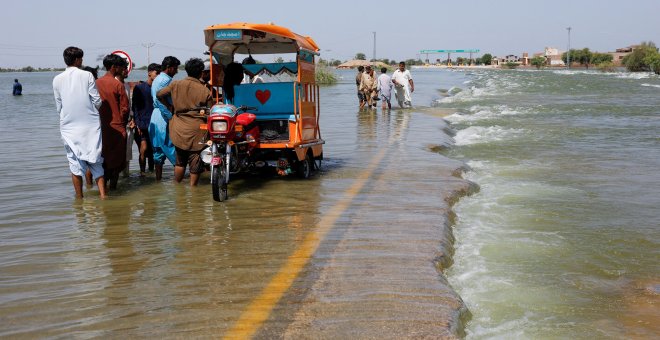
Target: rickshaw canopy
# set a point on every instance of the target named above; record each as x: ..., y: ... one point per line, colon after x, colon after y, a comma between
x: 250, y: 38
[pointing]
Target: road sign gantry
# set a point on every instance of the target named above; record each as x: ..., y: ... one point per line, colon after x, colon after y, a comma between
x: 449, y: 52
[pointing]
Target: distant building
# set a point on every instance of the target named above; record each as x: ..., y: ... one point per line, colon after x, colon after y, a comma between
x: 553, y: 56
x: 620, y: 53
x: 511, y: 59
x: 508, y: 59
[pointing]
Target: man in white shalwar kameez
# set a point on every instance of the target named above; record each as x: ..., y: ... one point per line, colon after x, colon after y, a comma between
x: 404, y: 86
x: 77, y: 101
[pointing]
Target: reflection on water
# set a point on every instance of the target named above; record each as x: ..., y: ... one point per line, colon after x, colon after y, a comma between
x: 165, y: 260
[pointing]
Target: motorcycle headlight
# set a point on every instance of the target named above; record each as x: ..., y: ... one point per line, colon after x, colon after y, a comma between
x: 219, y: 125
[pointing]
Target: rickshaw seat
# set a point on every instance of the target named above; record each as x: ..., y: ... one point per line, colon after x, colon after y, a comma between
x: 271, y: 68
x: 274, y: 101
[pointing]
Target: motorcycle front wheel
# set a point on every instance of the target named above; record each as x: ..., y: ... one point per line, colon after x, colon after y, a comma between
x: 219, y: 183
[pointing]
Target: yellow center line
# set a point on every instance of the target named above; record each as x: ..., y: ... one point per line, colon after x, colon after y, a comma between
x: 260, y: 308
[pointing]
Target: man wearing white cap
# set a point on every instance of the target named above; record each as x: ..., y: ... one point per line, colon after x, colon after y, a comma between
x: 206, y: 78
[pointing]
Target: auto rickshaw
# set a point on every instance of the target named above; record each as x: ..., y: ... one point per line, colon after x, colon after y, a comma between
x: 282, y: 126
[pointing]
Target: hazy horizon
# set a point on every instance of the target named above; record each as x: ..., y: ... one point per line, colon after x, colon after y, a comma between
x: 341, y: 29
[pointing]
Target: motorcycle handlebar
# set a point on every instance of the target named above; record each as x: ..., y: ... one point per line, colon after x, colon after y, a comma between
x: 207, y: 110
x: 244, y: 108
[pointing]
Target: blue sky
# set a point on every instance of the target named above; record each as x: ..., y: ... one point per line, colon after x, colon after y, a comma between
x: 341, y: 28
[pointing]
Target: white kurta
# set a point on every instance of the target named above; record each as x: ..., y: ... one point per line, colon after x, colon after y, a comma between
x: 77, y: 101
x: 403, y: 89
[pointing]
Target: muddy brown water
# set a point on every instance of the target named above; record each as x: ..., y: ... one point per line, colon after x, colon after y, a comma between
x: 165, y: 260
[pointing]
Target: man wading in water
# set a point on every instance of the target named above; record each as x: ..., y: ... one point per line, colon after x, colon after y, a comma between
x: 188, y: 139
x: 158, y: 126
x: 78, y: 101
x: 403, y: 85
x: 114, y: 117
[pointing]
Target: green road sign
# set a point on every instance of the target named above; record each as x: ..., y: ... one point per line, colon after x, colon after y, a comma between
x: 449, y: 51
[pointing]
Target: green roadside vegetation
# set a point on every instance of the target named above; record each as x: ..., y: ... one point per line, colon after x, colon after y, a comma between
x: 538, y: 62
x: 325, y: 76
x: 645, y: 58
x: 510, y: 65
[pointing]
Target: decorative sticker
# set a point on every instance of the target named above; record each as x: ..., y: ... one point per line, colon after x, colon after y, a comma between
x: 228, y: 34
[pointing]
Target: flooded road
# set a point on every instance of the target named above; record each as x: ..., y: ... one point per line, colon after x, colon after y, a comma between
x: 355, y: 251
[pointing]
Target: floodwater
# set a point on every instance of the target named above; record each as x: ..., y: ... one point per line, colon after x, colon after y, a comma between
x: 507, y: 204
x: 165, y: 260
x: 563, y: 238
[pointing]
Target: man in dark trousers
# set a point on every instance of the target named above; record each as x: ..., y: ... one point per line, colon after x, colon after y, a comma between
x: 143, y: 107
x: 188, y: 139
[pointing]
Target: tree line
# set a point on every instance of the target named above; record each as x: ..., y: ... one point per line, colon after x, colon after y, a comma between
x: 30, y: 69
x: 644, y: 58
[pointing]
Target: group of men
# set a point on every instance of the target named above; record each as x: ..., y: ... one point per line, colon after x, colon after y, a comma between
x: 371, y: 89
x: 97, y: 118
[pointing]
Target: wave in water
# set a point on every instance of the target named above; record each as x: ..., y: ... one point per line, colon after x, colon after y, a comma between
x: 480, y: 134
x: 560, y: 225
x: 478, y: 112
x: 620, y: 75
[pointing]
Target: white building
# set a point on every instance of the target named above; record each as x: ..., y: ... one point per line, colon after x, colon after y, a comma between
x: 553, y: 56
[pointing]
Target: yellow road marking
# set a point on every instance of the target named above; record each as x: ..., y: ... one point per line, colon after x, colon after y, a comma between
x: 260, y: 308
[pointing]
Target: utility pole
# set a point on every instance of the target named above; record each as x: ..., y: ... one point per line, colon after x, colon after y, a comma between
x: 374, y: 58
x: 148, y: 46
x: 568, y: 52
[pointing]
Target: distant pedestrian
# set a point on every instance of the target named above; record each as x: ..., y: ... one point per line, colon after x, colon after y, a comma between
x: 18, y: 88
x: 143, y: 107
x: 77, y: 100
x: 358, y: 81
x: 404, y: 86
x: 158, y: 127
x: 385, y: 88
x: 114, y: 117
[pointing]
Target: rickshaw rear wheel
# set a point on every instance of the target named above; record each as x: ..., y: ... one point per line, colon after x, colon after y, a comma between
x: 304, y: 168
x: 218, y: 184
x: 318, y: 162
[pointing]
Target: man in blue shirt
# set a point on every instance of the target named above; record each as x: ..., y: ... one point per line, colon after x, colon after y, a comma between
x: 18, y: 88
x: 143, y: 106
x: 160, y: 117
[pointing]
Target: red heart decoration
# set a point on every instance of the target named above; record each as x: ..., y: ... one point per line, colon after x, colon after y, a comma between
x: 262, y: 96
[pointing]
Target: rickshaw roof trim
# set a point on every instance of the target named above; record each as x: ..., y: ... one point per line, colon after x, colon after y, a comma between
x: 303, y: 42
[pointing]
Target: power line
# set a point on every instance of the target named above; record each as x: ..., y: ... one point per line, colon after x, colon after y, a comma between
x: 148, y: 46
x: 183, y: 49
